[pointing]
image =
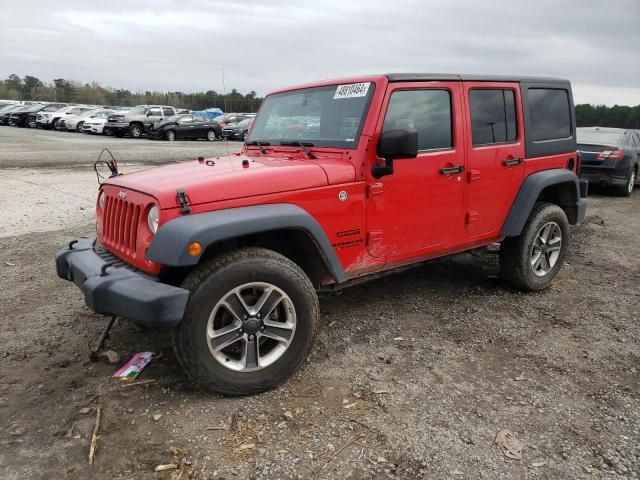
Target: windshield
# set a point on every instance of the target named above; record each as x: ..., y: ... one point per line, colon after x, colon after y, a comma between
x: 595, y: 137
x: 139, y: 110
x: 330, y: 116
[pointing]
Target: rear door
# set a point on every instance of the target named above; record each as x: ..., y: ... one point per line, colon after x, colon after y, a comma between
x: 495, y: 153
x: 184, y: 128
x: 418, y: 207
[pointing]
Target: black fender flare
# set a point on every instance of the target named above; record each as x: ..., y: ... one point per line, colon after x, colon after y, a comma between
x: 529, y: 193
x: 169, y: 245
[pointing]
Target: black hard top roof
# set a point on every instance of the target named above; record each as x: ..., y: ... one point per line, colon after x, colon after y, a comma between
x: 449, y: 77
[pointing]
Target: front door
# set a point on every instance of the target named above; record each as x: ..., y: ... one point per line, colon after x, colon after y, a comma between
x: 495, y: 153
x: 418, y: 207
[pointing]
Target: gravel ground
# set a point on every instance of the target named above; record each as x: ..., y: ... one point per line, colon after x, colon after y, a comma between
x: 26, y: 147
x: 413, y: 375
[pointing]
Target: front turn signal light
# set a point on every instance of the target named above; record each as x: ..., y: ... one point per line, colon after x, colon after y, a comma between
x: 194, y: 249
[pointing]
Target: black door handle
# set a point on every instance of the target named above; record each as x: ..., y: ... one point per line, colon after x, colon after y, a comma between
x: 511, y: 163
x: 450, y: 170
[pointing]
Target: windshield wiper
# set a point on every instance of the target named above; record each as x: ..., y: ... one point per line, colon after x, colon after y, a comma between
x: 260, y: 145
x: 304, y: 146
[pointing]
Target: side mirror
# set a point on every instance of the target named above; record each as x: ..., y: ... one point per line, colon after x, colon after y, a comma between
x: 392, y: 145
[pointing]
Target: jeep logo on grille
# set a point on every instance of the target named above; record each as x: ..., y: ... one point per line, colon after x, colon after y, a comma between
x: 122, y: 194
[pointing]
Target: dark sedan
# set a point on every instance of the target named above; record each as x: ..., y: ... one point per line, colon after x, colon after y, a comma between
x: 238, y: 131
x: 6, y: 111
x: 185, y: 126
x: 610, y: 157
x: 27, y: 118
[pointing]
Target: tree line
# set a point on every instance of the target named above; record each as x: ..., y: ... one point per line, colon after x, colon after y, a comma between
x: 69, y: 91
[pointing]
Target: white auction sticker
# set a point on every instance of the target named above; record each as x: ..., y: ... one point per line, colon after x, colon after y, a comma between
x: 352, y: 90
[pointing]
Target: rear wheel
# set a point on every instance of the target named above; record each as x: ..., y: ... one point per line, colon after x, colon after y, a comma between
x: 170, y: 135
x: 531, y: 260
x: 627, y: 189
x: 79, y: 126
x: 251, y: 320
x: 211, y: 135
x: 135, y: 131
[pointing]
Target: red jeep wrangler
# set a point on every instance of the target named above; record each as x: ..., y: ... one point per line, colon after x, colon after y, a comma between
x: 337, y: 181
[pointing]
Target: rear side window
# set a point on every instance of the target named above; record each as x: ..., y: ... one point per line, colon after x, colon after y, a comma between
x: 427, y: 111
x: 493, y: 116
x: 155, y: 112
x: 168, y: 112
x: 549, y: 114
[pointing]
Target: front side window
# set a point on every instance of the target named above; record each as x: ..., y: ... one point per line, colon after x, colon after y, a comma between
x: 139, y: 110
x: 549, y: 114
x: 493, y: 116
x: 330, y: 116
x: 427, y: 111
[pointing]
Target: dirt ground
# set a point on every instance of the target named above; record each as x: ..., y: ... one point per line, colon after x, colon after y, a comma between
x: 413, y: 375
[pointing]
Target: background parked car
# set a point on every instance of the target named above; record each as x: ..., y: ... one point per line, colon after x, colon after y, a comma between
x: 18, y: 118
x: 137, y: 120
x: 238, y: 131
x: 96, y: 122
x: 185, y: 126
x: 609, y: 157
x: 48, y: 120
x: 74, y: 122
x: 230, y: 119
x: 6, y: 111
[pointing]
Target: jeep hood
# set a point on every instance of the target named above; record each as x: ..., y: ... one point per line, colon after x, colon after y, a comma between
x: 226, y: 178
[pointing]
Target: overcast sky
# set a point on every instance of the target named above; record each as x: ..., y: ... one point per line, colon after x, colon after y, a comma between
x: 185, y: 44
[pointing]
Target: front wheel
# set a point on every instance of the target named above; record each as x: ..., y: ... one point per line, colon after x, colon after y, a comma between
x: 79, y: 126
x: 135, y: 131
x: 531, y: 260
x: 251, y: 320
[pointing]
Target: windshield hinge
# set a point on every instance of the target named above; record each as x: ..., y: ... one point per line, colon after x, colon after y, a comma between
x: 183, y: 201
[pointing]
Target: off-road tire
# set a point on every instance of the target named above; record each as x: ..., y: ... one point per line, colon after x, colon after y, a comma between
x: 211, y: 135
x: 515, y: 252
x: 169, y: 135
x: 208, y: 283
x: 627, y: 189
x: 136, y: 130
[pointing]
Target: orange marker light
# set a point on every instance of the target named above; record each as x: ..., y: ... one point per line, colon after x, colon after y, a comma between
x: 194, y: 249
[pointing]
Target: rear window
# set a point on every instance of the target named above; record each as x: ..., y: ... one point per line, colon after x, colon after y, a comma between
x: 493, y: 116
x: 549, y: 114
x: 597, y: 137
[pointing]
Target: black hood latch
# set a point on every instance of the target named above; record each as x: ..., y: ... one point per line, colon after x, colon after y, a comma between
x: 183, y: 201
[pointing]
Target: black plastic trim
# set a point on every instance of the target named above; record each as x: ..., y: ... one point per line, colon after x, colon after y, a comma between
x: 120, y: 291
x: 529, y: 193
x: 169, y: 245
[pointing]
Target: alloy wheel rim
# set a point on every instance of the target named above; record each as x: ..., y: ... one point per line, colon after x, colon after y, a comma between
x: 632, y: 181
x: 211, y: 136
x: 251, y: 327
x: 545, y: 251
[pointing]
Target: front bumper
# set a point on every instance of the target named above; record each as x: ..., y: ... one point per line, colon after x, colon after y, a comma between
x: 112, y: 287
x: 117, y: 127
x: 231, y: 135
x: 93, y: 128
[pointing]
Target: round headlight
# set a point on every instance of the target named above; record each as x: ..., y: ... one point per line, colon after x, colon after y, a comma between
x: 101, y: 200
x: 152, y: 219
